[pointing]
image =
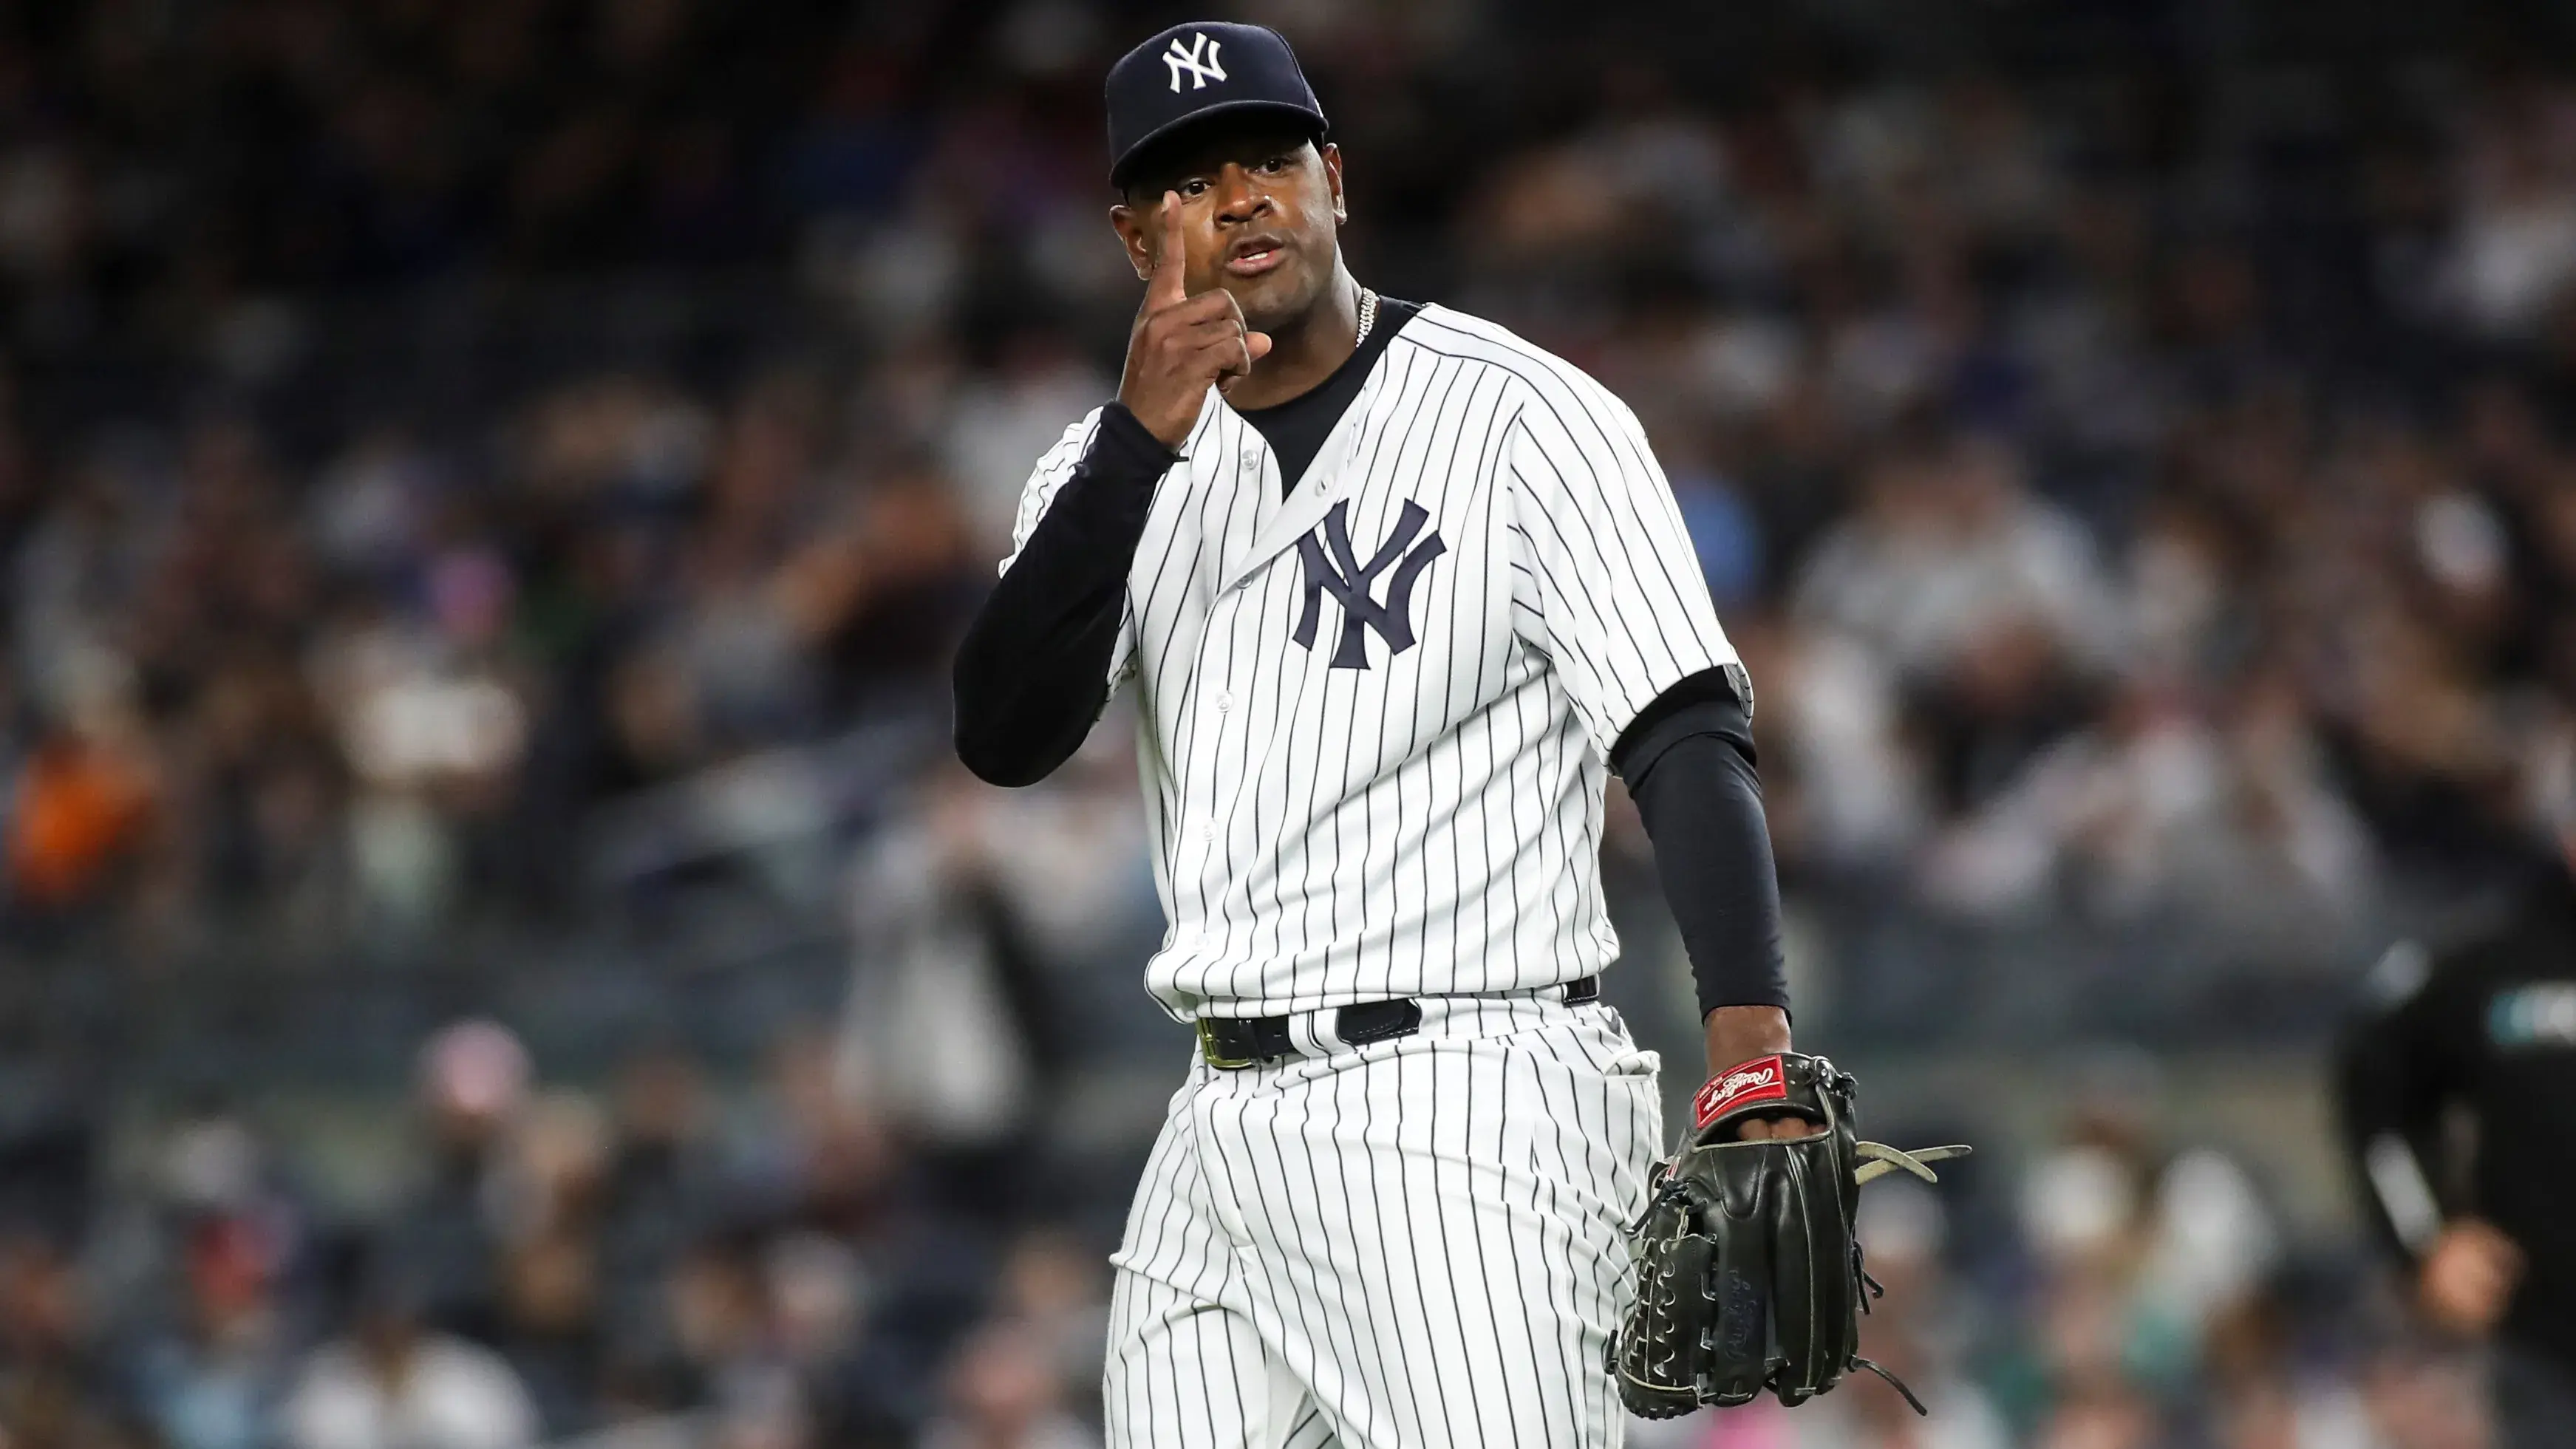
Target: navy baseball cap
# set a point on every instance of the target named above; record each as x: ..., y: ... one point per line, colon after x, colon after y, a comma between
x: 1191, y: 72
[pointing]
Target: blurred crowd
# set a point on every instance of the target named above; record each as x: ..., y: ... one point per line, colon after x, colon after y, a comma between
x: 2150, y: 1299
x: 2138, y: 474
x: 2140, y: 490
x: 791, y: 1261
x: 773, y: 1267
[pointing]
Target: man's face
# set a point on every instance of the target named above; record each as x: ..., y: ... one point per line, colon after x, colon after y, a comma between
x: 1261, y: 210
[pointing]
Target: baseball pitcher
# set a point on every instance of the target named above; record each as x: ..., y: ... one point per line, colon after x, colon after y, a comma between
x: 1397, y: 591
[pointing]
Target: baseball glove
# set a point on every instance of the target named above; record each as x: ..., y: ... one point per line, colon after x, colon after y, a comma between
x: 1747, y: 1273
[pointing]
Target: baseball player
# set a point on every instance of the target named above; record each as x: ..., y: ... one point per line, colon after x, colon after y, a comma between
x: 2481, y: 1035
x: 1397, y: 591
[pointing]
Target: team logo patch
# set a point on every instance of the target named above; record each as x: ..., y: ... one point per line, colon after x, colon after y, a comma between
x: 1333, y: 567
x: 1199, y: 60
x: 1759, y: 1080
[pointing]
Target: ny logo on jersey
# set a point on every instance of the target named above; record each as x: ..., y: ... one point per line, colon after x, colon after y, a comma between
x: 1340, y: 573
x: 1202, y: 67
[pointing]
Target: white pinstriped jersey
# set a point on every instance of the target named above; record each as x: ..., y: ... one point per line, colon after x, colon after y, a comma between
x: 1375, y: 714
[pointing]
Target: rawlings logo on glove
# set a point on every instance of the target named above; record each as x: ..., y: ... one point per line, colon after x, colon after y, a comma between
x: 1759, y: 1080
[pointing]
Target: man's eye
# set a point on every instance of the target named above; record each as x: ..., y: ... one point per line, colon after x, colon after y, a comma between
x: 1193, y: 186
x: 1275, y: 164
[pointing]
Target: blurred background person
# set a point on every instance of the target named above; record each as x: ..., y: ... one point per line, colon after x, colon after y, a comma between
x: 393, y: 1381
x: 2458, y: 1090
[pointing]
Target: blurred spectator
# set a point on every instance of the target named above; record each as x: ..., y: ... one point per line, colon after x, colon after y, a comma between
x: 2266, y: 1396
x: 218, y: 1381
x: 1001, y: 423
x: 1003, y: 1394
x: 2150, y: 1272
x: 1985, y: 603
x: 1945, y: 551
x: 552, y: 1327
x: 2516, y: 250
x: 473, y: 1081
x: 1056, y: 1291
x: 1843, y: 787
x: 947, y: 1008
x: 2102, y: 1414
x: 52, y: 1390
x: 662, y: 1183
x: 393, y: 1383
x: 2156, y: 809
x: 2419, y: 1400
x: 77, y: 811
x: 1913, y: 1332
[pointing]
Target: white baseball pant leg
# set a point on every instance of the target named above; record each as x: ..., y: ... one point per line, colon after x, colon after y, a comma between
x: 1414, y: 1243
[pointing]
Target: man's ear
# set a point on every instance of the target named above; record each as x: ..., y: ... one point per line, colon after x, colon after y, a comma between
x: 1124, y: 220
x: 1332, y: 155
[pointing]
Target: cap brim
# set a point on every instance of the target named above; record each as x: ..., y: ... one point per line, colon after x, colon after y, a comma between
x: 1125, y: 165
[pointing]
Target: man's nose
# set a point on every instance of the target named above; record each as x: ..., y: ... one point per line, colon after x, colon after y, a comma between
x: 1240, y: 197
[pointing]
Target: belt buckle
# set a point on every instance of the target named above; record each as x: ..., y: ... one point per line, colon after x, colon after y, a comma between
x: 1209, y: 1050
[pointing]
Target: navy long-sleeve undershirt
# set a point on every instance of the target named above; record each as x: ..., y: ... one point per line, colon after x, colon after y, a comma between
x: 1033, y: 672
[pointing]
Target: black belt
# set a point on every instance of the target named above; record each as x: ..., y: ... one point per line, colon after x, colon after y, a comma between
x: 1233, y: 1042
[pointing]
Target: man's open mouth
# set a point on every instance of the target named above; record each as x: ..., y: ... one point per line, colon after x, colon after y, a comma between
x: 1254, y: 255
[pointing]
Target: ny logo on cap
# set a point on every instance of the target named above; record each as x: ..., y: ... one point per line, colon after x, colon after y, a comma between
x: 1347, y: 579
x: 1202, y: 68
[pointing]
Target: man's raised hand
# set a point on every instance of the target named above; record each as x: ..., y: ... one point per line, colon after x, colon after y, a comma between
x: 1182, y: 343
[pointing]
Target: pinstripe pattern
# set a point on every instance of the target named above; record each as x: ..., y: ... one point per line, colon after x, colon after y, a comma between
x: 1418, y: 1242
x: 1413, y: 1243
x: 1431, y: 823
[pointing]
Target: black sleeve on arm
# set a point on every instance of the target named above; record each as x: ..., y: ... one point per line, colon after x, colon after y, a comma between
x: 1688, y: 760
x: 2396, y: 1072
x: 1033, y: 672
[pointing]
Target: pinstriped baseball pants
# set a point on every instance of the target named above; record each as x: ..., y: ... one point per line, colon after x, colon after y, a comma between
x: 1413, y: 1243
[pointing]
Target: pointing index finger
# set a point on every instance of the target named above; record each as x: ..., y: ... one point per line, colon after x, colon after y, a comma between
x: 1168, y: 287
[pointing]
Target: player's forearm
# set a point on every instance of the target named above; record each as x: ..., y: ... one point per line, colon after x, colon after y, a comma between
x: 1023, y: 706
x: 1690, y: 769
x: 1033, y: 670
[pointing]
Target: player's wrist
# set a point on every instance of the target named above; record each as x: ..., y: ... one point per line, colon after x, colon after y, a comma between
x: 1167, y: 421
x: 1128, y: 443
x: 1734, y: 1035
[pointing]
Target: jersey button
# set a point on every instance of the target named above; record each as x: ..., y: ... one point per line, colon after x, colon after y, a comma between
x: 1224, y: 702
x: 1252, y: 458
x: 1207, y: 830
